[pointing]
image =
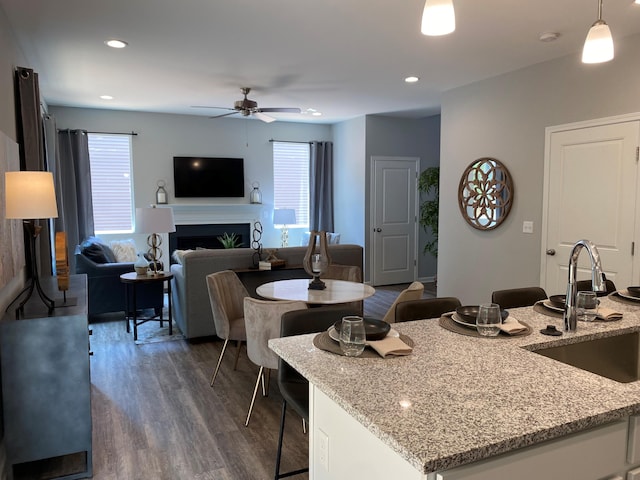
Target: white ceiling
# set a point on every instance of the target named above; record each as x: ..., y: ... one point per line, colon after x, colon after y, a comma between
x: 344, y: 58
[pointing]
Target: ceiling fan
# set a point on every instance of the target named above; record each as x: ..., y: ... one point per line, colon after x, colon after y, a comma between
x: 250, y: 107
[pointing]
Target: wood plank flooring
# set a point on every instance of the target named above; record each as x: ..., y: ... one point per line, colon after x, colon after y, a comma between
x: 156, y: 417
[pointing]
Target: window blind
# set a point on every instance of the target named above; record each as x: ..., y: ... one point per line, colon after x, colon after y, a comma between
x: 291, y: 179
x: 111, y: 191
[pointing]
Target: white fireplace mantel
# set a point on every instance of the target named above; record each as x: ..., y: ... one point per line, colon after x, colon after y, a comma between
x: 195, y: 214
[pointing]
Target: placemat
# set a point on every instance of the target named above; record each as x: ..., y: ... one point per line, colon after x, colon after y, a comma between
x: 324, y: 342
x: 615, y: 296
x: 448, y: 323
x: 540, y: 308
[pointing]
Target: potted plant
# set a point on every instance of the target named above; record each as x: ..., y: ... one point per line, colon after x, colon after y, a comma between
x: 428, y: 185
x: 229, y: 241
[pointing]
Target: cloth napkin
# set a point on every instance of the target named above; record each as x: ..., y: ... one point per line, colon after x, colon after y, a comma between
x: 390, y: 346
x: 512, y: 326
x: 608, y: 314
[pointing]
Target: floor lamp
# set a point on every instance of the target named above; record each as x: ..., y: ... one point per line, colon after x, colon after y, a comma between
x: 154, y: 220
x: 30, y: 196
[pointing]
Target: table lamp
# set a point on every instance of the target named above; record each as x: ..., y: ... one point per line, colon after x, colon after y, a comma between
x: 284, y: 217
x: 30, y: 196
x: 154, y: 220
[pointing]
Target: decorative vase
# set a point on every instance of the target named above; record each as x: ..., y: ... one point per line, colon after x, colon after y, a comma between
x: 142, y: 265
x: 315, y: 262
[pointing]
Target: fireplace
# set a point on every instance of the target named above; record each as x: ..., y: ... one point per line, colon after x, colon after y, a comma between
x: 192, y: 237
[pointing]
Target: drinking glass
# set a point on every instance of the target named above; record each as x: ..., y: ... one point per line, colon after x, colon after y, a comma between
x: 586, y: 306
x: 352, y: 336
x: 488, y: 320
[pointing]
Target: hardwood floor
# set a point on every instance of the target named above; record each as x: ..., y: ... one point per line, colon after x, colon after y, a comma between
x: 156, y: 417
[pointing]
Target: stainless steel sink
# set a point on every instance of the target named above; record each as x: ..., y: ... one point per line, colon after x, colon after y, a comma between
x: 616, y: 357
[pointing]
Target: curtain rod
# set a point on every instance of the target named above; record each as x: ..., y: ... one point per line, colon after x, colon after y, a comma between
x: 285, y: 141
x: 132, y: 133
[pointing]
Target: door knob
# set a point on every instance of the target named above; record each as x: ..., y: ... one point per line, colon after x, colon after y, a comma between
x: 551, y: 252
x: 378, y: 229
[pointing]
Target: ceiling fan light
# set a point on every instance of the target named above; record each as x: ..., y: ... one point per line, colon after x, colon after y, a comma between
x: 598, y: 47
x: 438, y: 17
x: 263, y: 117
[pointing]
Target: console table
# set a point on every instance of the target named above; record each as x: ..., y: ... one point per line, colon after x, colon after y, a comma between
x: 46, y: 386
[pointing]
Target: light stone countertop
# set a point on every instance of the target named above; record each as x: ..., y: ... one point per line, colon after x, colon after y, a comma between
x: 468, y: 398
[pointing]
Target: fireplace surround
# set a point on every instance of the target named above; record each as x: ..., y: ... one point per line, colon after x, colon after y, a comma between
x: 192, y: 237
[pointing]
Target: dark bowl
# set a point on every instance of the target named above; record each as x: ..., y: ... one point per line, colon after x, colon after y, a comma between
x: 469, y: 313
x: 558, y: 301
x: 634, y: 291
x: 374, y: 329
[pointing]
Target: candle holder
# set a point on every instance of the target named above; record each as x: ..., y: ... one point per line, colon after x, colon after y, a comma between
x: 316, y: 261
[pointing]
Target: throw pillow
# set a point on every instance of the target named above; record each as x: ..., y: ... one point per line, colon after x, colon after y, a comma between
x: 178, y: 254
x: 124, y: 250
x: 97, y: 250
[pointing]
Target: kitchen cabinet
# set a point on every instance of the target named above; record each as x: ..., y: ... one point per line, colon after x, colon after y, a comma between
x: 46, y: 387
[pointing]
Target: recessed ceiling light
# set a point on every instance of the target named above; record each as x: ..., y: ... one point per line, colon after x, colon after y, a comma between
x: 317, y: 114
x: 411, y: 79
x: 106, y: 97
x: 116, y: 43
x: 548, y: 36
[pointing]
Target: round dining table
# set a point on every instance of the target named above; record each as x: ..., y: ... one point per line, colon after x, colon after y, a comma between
x: 337, y: 291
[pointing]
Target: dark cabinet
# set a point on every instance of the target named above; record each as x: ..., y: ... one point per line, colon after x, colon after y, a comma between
x: 46, y: 387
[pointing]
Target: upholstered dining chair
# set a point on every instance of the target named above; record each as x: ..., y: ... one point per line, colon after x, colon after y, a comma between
x: 262, y: 322
x: 349, y: 273
x: 586, y: 285
x: 226, y: 295
x: 294, y: 388
x: 412, y: 292
x: 518, y: 297
x: 425, y: 308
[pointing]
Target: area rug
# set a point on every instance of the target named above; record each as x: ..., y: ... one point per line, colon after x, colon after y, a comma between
x: 151, y: 332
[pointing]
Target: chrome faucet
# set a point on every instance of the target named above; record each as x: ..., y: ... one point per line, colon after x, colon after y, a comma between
x: 597, y: 281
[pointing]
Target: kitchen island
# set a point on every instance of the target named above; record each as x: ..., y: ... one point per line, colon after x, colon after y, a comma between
x: 459, y: 402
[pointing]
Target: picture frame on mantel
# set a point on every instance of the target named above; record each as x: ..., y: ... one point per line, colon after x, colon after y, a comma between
x: 12, y: 257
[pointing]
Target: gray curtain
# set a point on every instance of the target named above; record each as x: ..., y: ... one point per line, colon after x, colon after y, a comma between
x: 321, y: 186
x: 72, y: 170
x: 30, y: 139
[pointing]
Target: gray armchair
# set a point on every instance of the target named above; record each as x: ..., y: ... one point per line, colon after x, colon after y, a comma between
x: 108, y: 294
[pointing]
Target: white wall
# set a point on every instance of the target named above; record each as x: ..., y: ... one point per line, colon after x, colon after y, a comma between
x: 505, y: 117
x: 163, y: 136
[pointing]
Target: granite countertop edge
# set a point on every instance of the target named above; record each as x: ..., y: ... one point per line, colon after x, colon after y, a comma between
x: 573, y: 387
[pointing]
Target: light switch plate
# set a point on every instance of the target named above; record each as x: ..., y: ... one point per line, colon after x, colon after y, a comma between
x: 527, y: 226
x: 323, y: 449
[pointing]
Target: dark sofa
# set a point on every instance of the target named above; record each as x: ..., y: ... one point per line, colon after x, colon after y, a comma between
x: 108, y: 294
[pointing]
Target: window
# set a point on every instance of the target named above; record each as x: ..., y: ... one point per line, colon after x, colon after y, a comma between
x: 111, y: 192
x: 291, y: 179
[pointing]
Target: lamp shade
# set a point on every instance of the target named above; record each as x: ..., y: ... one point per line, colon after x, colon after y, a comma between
x: 154, y: 220
x: 438, y: 17
x: 284, y: 216
x: 598, y: 47
x: 30, y: 195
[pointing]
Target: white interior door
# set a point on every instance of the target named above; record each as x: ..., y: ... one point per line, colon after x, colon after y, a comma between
x: 394, y: 220
x: 592, y: 178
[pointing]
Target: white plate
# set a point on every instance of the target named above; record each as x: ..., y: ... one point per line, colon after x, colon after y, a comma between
x: 334, y: 335
x: 625, y: 294
x: 456, y: 318
x: 552, y: 307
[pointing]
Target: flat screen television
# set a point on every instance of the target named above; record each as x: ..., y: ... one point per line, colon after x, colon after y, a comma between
x: 208, y: 177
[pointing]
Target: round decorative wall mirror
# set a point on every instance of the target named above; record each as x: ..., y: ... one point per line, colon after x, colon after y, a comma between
x: 485, y: 193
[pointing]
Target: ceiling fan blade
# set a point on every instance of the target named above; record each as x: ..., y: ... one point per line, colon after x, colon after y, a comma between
x: 265, y: 118
x: 283, y: 110
x: 209, y: 106
x: 225, y: 115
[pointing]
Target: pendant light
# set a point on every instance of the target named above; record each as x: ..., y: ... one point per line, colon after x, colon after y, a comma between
x: 438, y: 17
x: 598, y: 47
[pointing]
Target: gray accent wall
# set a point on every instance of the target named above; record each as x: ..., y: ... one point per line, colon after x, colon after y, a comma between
x: 505, y: 117
x: 163, y: 136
